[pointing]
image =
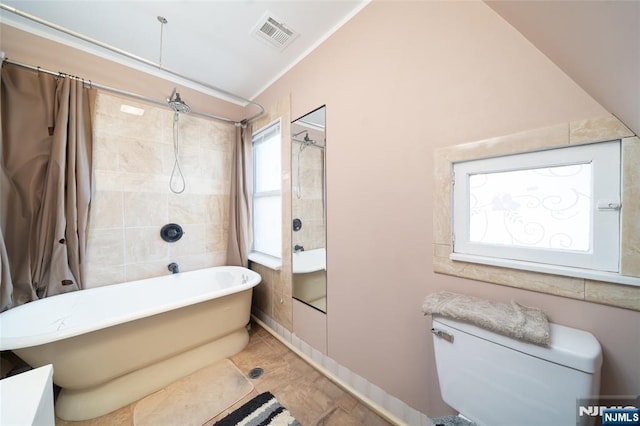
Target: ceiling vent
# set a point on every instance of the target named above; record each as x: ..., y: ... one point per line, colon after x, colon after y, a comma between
x: 271, y: 30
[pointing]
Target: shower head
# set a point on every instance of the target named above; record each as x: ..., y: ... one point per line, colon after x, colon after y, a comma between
x: 177, y: 104
x: 308, y: 141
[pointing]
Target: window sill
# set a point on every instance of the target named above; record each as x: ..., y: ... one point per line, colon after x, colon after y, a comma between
x: 266, y: 260
x: 548, y: 269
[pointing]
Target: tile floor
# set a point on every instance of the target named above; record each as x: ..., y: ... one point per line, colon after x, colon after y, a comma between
x: 310, y: 397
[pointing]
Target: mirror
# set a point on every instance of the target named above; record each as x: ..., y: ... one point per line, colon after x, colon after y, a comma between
x: 308, y: 212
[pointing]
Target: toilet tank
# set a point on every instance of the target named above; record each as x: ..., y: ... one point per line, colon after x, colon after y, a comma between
x: 494, y: 380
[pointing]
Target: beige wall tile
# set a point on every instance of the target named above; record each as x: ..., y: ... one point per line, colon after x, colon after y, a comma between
x: 106, y: 150
x: 529, y: 140
x: 219, y: 136
x: 201, y: 260
x: 544, y: 283
x: 134, y: 158
x: 114, y: 122
x: 217, y: 206
x: 215, y: 238
x: 107, y: 210
x: 130, y: 182
x: 215, y: 164
x: 206, y: 186
x: 100, y: 275
x: 282, y: 303
x: 441, y: 199
x: 624, y: 296
x: 192, y: 242
x: 631, y: 207
x: 441, y: 250
x: 187, y: 208
x: 140, y: 271
x: 139, y: 155
x: 598, y: 130
x: 145, y: 245
x: 263, y: 293
x: 145, y: 209
x: 106, y: 247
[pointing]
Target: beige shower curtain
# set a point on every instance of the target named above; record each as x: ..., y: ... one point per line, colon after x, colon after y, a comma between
x: 45, y: 183
x: 241, y: 193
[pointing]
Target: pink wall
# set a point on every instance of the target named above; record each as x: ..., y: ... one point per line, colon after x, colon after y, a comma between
x: 399, y: 80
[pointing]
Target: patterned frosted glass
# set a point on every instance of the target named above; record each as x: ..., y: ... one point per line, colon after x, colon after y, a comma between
x: 543, y: 208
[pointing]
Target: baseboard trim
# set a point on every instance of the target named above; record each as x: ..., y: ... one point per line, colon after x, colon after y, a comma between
x: 386, y: 406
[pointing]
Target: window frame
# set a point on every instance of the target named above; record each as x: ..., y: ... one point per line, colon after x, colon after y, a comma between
x: 604, y: 253
x: 266, y: 257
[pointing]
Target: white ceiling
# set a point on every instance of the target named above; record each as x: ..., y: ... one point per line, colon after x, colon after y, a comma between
x: 597, y: 43
x: 209, y: 41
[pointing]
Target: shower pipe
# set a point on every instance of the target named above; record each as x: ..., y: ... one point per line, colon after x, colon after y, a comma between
x: 311, y: 145
x: 135, y: 58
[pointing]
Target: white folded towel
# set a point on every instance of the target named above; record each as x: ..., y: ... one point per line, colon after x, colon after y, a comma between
x: 509, y: 319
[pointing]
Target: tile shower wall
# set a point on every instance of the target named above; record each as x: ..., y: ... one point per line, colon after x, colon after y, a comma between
x: 273, y: 294
x: 134, y: 158
x: 309, y: 207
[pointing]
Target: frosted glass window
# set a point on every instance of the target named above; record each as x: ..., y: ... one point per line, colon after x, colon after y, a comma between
x: 557, y: 207
x: 267, y: 193
x: 267, y: 164
x: 546, y: 207
x: 267, y: 221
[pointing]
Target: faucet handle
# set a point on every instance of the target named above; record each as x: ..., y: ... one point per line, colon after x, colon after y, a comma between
x: 173, y: 267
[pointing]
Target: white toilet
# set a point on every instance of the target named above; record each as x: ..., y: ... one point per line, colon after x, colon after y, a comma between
x: 494, y: 380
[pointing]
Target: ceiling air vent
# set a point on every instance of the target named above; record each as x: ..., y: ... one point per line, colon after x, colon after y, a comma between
x: 270, y: 29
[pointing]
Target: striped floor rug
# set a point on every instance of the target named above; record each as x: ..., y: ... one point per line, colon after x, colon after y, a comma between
x: 262, y: 410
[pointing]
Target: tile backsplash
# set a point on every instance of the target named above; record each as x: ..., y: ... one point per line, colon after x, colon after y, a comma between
x: 133, y: 161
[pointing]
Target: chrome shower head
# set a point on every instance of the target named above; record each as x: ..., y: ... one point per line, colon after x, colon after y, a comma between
x: 177, y: 104
x: 308, y: 141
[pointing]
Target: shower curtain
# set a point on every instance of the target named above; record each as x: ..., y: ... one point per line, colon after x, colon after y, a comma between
x: 45, y: 184
x: 241, y: 192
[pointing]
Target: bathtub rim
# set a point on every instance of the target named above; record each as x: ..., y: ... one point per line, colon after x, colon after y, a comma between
x: 20, y: 342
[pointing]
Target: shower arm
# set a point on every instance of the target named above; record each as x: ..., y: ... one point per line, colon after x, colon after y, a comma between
x: 138, y: 59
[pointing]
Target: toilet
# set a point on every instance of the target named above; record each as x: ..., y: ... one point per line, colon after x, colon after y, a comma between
x: 493, y: 380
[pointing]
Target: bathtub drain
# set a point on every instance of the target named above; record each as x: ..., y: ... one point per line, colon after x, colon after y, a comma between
x: 255, y: 373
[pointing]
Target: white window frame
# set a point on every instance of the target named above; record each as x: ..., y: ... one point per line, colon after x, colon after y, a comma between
x: 604, y: 253
x: 269, y: 258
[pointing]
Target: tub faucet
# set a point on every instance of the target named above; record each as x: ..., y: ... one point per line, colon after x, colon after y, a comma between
x: 173, y: 267
x: 298, y: 248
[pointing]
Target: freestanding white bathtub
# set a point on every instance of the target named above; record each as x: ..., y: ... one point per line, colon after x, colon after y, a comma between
x: 112, y: 345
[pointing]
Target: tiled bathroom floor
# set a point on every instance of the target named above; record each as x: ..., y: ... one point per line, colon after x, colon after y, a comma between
x: 310, y: 397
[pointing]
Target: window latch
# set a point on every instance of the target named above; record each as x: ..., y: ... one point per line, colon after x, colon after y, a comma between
x: 609, y: 205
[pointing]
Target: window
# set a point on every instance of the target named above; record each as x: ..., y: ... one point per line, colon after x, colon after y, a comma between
x: 557, y: 207
x: 267, y: 200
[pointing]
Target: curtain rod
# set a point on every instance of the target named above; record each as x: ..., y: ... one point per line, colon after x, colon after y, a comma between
x: 113, y: 89
x: 138, y: 59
